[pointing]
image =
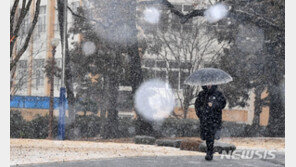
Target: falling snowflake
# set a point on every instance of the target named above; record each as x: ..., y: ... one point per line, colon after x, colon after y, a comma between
x: 216, y: 13
x: 155, y: 100
x: 88, y: 48
x: 151, y: 15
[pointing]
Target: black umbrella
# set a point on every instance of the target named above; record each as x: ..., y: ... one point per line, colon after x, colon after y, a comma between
x: 208, y: 76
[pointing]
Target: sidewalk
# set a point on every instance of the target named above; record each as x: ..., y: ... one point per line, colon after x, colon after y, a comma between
x: 29, y: 151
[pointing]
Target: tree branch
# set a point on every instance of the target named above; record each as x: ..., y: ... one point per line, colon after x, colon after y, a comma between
x: 172, y: 8
x: 84, y: 18
x: 25, y: 46
x: 75, y: 14
x: 12, y: 15
x: 256, y: 19
x: 24, y: 11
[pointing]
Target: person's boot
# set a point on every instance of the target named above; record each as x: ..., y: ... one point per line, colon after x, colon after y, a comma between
x: 209, y: 156
x: 210, y: 150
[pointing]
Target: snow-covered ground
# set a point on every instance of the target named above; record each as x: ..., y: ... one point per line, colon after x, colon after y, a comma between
x: 28, y: 151
x: 266, y: 143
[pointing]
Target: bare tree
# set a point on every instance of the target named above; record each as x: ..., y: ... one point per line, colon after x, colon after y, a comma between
x: 189, y: 49
x: 16, y: 24
x: 136, y: 75
x: 19, y: 75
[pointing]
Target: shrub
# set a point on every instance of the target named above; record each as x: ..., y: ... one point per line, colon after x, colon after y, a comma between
x: 90, y: 125
x: 252, y: 131
x: 144, y: 140
x: 180, y: 128
x: 19, y: 128
x: 191, y: 145
x: 168, y: 143
x: 37, y: 128
x: 126, y: 127
x: 83, y: 127
x: 233, y: 129
x: 40, y: 126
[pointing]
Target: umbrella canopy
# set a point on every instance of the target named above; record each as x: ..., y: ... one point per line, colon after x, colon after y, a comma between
x: 208, y: 76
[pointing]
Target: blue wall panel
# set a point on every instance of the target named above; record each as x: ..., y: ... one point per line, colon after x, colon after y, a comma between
x: 35, y: 102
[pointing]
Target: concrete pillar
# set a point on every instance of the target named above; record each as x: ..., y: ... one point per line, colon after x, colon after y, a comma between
x: 50, y: 36
x: 31, y: 52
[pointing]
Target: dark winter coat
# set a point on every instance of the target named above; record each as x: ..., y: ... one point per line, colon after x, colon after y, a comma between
x: 210, y: 117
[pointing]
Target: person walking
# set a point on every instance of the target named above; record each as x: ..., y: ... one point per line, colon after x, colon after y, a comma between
x: 208, y: 106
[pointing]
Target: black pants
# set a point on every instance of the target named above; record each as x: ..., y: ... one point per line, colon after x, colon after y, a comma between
x: 210, y: 146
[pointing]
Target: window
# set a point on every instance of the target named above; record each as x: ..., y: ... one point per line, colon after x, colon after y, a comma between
x: 23, y: 64
x: 164, y: 21
x: 149, y: 28
x: 161, y: 74
x: 148, y: 73
x: 186, y: 65
x: 149, y: 63
x: 22, y: 74
x: 174, y: 79
x: 183, y: 76
x: 176, y: 25
x: 174, y: 64
x: 42, y: 10
x: 56, y: 23
x: 38, y: 78
x: 41, y: 25
x: 161, y: 64
x: 38, y: 65
x: 187, y: 27
x: 57, y: 82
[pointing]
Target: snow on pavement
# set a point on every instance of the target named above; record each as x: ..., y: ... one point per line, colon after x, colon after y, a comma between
x: 258, y: 143
x: 29, y: 151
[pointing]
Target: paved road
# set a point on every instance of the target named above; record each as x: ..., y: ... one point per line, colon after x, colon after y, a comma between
x: 186, y: 161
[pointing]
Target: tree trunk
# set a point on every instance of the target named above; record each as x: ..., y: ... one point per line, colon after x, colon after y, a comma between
x: 69, y: 86
x: 188, y: 96
x: 276, y: 122
x: 136, y: 76
x: 51, y: 97
x: 110, y: 127
x: 103, y: 114
x: 257, y: 111
x: 143, y: 127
